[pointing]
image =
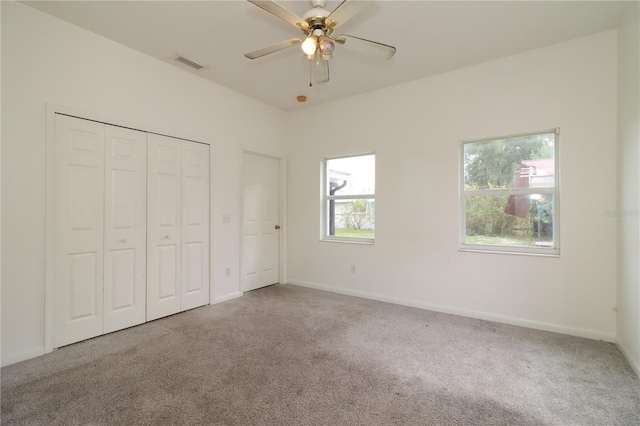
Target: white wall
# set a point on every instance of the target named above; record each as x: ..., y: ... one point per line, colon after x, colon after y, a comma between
x: 414, y: 130
x: 45, y: 60
x: 628, y: 290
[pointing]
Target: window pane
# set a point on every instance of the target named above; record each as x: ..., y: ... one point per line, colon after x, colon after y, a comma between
x: 510, y: 220
x: 519, y: 162
x: 351, y: 175
x: 351, y: 218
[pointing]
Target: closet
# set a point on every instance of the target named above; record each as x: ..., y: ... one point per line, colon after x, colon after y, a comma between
x: 178, y: 226
x: 131, y: 228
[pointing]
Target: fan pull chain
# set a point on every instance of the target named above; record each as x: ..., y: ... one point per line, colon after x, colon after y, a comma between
x: 310, y: 73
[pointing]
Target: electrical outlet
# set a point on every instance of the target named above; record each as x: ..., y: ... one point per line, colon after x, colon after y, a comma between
x: 353, y: 269
x: 226, y: 218
x: 227, y: 271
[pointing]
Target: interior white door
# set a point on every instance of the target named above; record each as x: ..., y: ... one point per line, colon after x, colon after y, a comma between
x: 79, y: 222
x: 164, y: 226
x: 195, y: 225
x: 261, y: 216
x: 125, y: 239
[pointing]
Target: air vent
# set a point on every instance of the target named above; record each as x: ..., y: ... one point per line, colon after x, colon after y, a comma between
x: 189, y: 62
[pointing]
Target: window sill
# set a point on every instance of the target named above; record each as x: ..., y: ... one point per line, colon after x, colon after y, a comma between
x: 503, y: 250
x: 365, y: 242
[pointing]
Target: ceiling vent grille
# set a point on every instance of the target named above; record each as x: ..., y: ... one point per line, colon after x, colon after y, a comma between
x: 188, y: 62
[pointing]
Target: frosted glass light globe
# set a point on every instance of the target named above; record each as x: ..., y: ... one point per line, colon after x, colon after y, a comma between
x: 309, y: 45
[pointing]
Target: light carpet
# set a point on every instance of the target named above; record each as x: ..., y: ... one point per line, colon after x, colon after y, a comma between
x: 287, y: 355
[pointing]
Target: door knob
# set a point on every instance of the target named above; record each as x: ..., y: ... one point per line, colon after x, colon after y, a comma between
x: 166, y: 237
x: 124, y: 240
x: 277, y: 226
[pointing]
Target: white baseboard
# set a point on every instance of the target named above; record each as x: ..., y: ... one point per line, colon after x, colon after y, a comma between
x: 632, y: 362
x: 220, y: 299
x: 589, y: 334
x: 22, y: 356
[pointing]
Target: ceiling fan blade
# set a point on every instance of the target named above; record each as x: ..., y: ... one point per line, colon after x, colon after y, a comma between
x: 345, y: 11
x: 273, y: 48
x: 368, y: 47
x: 282, y: 13
x: 320, y: 69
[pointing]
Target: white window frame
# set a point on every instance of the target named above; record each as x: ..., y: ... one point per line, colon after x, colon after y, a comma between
x: 325, y: 198
x: 555, y: 191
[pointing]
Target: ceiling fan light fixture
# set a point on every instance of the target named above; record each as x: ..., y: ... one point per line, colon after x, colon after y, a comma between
x: 309, y: 45
x: 318, y: 26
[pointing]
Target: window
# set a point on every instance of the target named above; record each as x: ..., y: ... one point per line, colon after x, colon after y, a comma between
x: 349, y: 199
x: 510, y: 194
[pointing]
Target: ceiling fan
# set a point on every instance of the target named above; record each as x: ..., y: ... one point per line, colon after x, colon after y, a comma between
x: 318, y: 26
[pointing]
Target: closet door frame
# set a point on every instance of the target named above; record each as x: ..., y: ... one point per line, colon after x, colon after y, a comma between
x: 50, y: 201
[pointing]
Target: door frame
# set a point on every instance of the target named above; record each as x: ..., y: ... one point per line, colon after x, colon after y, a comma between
x: 50, y: 162
x: 282, y: 213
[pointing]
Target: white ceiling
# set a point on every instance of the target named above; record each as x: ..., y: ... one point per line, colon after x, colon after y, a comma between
x: 432, y: 37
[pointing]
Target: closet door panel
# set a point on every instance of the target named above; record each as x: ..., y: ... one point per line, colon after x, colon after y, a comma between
x: 195, y: 225
x: 164, y: 223
x: 125, y: 228
x: 79, y: 220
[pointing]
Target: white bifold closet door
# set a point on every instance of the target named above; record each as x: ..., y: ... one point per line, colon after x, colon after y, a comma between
x: 125, y: 228
x: 79, y: 229
x: 177, y: 226
x: 100, y: 229
x: 195, y: 225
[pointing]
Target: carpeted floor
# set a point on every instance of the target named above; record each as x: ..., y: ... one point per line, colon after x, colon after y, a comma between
x: 287, y: 355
